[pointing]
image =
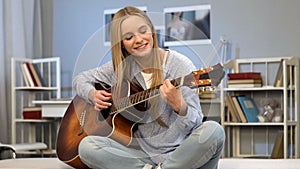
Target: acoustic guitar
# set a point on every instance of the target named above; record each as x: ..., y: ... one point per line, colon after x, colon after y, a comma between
x: 120, y: 120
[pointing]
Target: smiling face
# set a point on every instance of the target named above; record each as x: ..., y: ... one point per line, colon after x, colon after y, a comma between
x: 137, y: 36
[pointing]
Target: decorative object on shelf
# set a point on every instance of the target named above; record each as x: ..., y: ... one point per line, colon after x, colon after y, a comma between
x: 278, y: 115
x: 208, y: 92
x: 270, y: 112
x: 268, y: 106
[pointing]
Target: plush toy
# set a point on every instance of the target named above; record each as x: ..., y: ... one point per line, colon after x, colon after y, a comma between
x: 269, y: 111
x: 278, y: 115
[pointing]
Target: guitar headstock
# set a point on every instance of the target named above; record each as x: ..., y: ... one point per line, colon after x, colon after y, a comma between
x: 210, y: 76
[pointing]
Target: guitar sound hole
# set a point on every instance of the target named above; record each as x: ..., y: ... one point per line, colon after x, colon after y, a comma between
x: 103, y: 114
x: 143, y: 106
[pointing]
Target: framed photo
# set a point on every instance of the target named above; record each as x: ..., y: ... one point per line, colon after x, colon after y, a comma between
x: 160, y: 34
x: 108, y: 16
x: 189, y: 25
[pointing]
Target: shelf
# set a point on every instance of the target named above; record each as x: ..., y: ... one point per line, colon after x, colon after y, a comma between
x: 292, y: 123
x: 32, y: 120
x: 254, y: 88
x: 270, y: 88
x: 53, y: 108
x: 43, y: 152
x: 252, y: 124
x: 38, y: 79
x: 36, y: 88
x: 50, y: 102
x: 216, y: 100
x: 256, y: 138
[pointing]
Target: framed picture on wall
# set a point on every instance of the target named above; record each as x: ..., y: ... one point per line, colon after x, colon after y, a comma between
x: 108, y: 15
x: 188, y: 25
x: 160, y: 34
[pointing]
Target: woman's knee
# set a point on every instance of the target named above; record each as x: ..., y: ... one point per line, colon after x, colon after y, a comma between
x: 210, y: 131
x: 84, y: 147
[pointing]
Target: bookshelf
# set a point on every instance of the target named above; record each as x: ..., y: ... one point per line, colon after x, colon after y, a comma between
x: 258, y: 139
x: 210, y: 102
x: 34, y: 130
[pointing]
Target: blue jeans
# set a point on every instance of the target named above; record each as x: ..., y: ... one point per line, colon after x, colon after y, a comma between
x: 201, y: 150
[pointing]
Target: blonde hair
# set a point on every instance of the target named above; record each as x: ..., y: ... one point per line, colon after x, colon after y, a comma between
x: 121, y: 62
x: 119, y: 54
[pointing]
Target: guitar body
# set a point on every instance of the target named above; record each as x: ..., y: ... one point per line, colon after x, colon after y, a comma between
x: 118, y: 126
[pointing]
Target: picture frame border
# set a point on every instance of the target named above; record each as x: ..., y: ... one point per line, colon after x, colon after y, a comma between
x: 183, y: 9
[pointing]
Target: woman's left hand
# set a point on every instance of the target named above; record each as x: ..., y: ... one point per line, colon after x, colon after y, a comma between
x: 173, y: 97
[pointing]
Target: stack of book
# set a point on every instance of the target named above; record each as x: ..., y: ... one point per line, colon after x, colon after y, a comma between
x: 31, y: 74
x: 244, y: 79
x: 32, y: 112
x: 242, y: 109
x: 207, y: 92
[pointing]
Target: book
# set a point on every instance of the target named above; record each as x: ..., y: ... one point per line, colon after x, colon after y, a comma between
x: 34, y: 74
x: 244, y: 81
x: 39, y: 74
x: 32, y: 112
x: 28, y: 109
x: 244, y: 85
x: 27, y: 75
x: 31, y: 73
x: 232, y: 110
x: 239, y: 109
x: 208, y: 95
x: 249, y: 108
x: 24, y: 75
x: 244, y: 75
x: 278, y: 82
x: 277, y: 151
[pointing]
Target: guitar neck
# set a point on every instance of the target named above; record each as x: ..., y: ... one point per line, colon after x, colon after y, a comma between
x: 144, y: 95
x: 203, y: 77
x: 136, y: 98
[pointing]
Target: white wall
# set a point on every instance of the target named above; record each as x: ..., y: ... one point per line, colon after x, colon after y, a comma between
x: 256, y: 28
x: 260, y: 28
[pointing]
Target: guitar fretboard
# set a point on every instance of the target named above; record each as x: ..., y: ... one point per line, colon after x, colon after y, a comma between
x: 142, y: 96
x: 203, y: 77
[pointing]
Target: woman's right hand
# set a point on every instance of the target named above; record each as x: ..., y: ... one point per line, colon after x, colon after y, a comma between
x: 100, y: 98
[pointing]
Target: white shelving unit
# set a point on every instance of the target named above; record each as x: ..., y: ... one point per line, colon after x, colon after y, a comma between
x: 257, y: 139
x: 32, y: 131
x: 211, y: 106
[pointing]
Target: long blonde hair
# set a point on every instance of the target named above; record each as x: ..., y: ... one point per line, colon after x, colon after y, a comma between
x: 121, y: 62
x: 119, y: 54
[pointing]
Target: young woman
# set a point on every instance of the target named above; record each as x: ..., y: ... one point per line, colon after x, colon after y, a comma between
x: 171, y: 134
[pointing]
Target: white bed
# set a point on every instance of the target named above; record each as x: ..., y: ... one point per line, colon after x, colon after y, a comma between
x: 227, y: 163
